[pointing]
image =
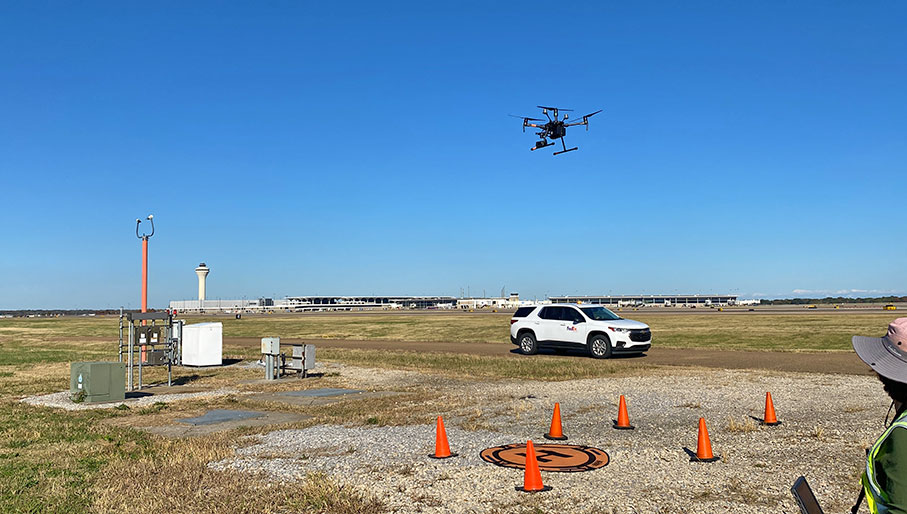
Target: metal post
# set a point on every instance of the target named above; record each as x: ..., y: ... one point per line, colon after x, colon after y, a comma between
x: 142, y: 357
x: 140, y: 370
x: 130, y: 345
x: 120, y: 348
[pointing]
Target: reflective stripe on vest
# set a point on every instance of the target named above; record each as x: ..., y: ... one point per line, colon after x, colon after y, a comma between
x: 876, y: 498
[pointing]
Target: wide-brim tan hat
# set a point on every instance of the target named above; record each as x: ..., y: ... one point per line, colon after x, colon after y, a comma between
x: 887, y: 355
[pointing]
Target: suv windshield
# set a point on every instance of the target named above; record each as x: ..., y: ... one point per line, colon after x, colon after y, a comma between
x: 600, y: 313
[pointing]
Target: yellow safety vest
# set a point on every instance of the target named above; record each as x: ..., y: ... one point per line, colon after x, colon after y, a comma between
x: 876, y: 498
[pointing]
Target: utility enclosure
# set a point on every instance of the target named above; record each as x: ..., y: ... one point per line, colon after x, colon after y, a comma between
x: 97, y: 382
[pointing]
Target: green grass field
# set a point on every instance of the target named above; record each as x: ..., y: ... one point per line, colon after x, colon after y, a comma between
x: 740, y: 330
x: 46, y: 340
x: 52, y: 461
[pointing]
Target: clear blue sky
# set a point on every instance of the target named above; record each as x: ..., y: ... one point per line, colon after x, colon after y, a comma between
x: 365, y: 148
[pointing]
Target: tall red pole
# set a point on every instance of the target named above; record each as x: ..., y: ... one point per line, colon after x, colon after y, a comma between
x: 144, y: 275
x: 144, y: 286
x: 144, y: 238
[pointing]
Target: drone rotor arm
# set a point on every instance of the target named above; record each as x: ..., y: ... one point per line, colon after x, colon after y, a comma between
x: 585, y: 120
x: 526, y: 120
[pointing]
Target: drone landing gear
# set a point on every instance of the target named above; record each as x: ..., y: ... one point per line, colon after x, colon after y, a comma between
x: 565, y: 150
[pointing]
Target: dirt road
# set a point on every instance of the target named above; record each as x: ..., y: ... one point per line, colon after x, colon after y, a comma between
x: 825, y: 362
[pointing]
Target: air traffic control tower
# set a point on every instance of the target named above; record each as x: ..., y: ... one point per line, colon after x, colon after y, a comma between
x: 202, y: 272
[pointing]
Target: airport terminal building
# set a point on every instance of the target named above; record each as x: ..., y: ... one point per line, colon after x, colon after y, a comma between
x: 299, y: 303
x: 316, y: 303
x: 683, y: 300
x: 349, y: 303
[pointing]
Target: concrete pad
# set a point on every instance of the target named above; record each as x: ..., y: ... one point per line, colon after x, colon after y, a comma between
x: 310, y: 400
x: 319, y: 393
x: 265, y: 418
x: 215, y: 416
x: 137, y: 399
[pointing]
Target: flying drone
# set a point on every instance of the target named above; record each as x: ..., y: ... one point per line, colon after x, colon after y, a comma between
x: 555, y: 128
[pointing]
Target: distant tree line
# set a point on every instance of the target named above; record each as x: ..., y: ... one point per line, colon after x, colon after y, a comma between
x: 833, y: 299
x: 64, y: 312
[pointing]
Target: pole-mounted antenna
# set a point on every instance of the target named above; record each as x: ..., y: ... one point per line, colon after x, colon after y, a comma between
x: 139, y: 222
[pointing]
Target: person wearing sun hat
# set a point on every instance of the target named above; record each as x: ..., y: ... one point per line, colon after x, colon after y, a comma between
x: 885, y: 478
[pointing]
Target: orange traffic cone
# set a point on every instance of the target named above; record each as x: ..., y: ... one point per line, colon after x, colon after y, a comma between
x: 442, y: 449
x: 770, y: 418
x: 532, y: 478
x: 623, y: 419
x: 556, y: 432
x: 703, y: 445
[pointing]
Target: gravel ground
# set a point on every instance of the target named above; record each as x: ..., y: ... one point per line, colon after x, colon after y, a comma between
x: 827, y: 422
x: 62, y: 399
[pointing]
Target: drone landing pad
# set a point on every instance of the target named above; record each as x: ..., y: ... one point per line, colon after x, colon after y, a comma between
x: 551, y: 457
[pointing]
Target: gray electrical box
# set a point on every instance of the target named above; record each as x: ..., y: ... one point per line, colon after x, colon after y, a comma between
x: 309, y: 358
x: 99, y: 381
x: 303, y: 357
x: 270, y: 345
x: 156, y: 358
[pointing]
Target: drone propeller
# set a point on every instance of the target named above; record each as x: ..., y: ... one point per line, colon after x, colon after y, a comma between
x: 592, y: 114
x: 553, y: 108
x: 586, y: 118
x: 525, y: 117
x: 526, y: 120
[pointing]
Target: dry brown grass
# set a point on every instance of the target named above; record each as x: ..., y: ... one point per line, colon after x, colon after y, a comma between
x: 819, y: 433
x: 450, y: 326
x: 474, y: 421
x: 747, y: 425
x: 403, y: 409
x: 177, y: 478
x: 40, y: 340
x: 73, y: 462
x: 452, y: 365
x: 518, y: 408
x: 745, y: 493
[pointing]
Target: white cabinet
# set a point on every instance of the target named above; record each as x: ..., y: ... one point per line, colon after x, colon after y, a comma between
x: 203, y: 344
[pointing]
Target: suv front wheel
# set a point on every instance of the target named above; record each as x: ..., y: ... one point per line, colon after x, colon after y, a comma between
x: 528, y: 344
x: 600, y: 346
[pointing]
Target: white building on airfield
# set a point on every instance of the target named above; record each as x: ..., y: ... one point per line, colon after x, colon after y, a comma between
x: 652, y: 300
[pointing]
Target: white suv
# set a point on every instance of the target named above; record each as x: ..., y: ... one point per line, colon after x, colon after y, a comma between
x: 567, y: 326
